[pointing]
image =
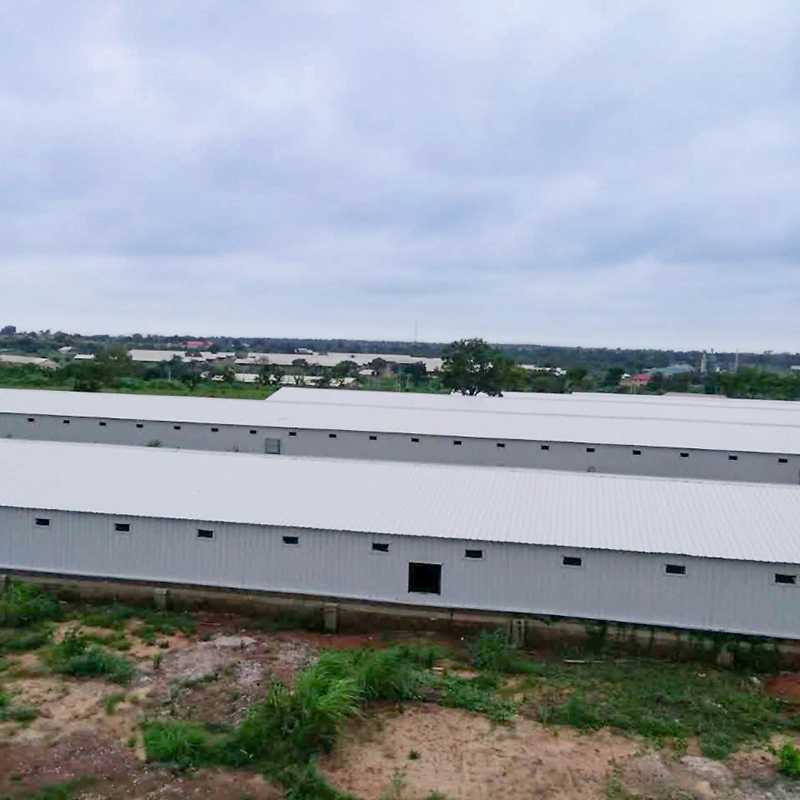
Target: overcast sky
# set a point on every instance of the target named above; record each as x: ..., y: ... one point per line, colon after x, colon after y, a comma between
x: 590, y: 173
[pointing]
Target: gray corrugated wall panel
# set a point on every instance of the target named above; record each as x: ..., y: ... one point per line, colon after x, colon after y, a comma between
x: 617, y: 459
x: 715, y: 594
x: 654, y: 462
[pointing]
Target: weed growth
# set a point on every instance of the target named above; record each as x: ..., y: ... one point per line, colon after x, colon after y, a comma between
x: 112, y: 701
x: 75, y: 655
x: 661, y: 701
x: 789, y: 760
x: 25, y: 640
x: 8, y: 711
x: 283, y: 734
x: 492, y: 652
x: 23, y: 604
x: 155, y: 622
x: 474, y: 695
x: 179, y: 744
x: 61, y: 791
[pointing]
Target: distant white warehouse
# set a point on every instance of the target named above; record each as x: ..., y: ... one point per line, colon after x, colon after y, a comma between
x: 584, y: 433
x: 651, y: 551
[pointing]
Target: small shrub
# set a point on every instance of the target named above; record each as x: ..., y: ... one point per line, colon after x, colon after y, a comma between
x: 147, y: 633
x: 414, y: 755
x: 24, y: 641
x: 23, y: 714
x: 492, y: 652
x: 77, y: 657
x: 112, y: 701
x: 112, y: 617
x: 178, y: 743
x: 157, y: 661
x: 789, y: 760
x: 154, y: 443
x: 24, y: 604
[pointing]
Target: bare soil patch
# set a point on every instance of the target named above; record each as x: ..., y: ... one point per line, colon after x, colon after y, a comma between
x: 409, y: 754
x: 465, y: 756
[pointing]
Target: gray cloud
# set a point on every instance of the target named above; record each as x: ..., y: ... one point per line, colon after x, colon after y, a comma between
x: 582, y: 172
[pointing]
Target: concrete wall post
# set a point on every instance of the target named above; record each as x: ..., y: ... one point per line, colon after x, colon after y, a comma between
x: 330, y: 617
x: 161, y: 598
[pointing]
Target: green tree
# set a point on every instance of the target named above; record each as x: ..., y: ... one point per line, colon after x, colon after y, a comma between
x: 191, y: 380
x: 269, y: 374
x: 345, y: 369
x: 576, y: 378
x: 613, y: 377
x: 417, y: 373
x: 471, y: 366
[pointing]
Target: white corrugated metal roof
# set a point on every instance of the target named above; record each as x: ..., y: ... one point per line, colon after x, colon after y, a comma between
x: 457, y: 416
x: 739, y: 521
x: 578, y: 404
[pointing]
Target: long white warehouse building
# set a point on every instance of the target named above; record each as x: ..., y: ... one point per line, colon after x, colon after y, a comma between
x: 721, y: 440
x: 688, y: 554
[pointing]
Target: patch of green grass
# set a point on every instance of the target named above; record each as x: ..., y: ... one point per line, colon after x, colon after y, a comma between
x: 147, y: 633
x: 112, y: 701
x: 437, y: 796
x: 23, y: 714
x: 25, y: 640
x: 155, y: 621
x: 61, y: 791
x: 113, y: 617
x: 75, y: 655
x: 723, y: 709
x: 789, y: 760
x: 492, y: 652
x: 23, y: 604
x: 117, y: 640
x: 179, y: 744
x: 8, y: 711
x: 473, y: 695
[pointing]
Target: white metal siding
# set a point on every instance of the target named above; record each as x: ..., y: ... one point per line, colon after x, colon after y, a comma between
x: 705, y: 427
x: 626, y: 587
x: 740, y: 521
x: 607, y: 458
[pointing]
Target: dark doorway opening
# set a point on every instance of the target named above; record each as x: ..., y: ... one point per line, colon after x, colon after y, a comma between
x: 425, y: 578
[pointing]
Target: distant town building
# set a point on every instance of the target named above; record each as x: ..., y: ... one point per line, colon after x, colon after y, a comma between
x: 27, y: 361
x: 641, y: 379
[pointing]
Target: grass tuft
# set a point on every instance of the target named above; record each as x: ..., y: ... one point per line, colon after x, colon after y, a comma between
x: 492, y: 652
x: 23, y: 604
x: 75, y: 655
x: 723, y: 709
x: 473, y: 695
x: 25, y: 640
x: 179, y: 744
x: 789, y: 760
